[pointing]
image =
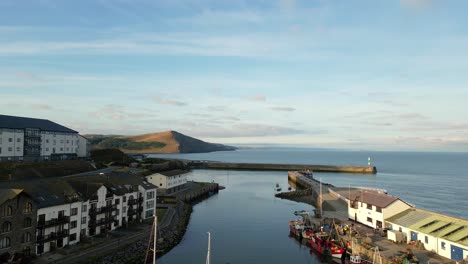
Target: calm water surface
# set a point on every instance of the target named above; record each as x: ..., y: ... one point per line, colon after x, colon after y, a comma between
x: 249, y: 225
x: 434, y: 181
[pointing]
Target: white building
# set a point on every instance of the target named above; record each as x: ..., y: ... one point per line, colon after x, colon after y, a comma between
x: 441, y: 234
x: 370, y: 207
x: 23, y: 138
x: 74, y: 208
x: 171, y: 181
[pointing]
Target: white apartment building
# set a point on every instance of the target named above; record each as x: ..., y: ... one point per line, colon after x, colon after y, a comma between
x: 370, y: 207
x: 23, y: 138
x: 72, y: 209
x: 170, y: 181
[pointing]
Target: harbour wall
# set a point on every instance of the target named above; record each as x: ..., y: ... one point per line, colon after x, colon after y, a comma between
x: 283, y: 167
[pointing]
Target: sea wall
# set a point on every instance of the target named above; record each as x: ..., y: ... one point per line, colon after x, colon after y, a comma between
x: 284, y: 167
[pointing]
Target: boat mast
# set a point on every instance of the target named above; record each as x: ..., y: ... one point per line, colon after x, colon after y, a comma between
x: 208, y: 257
x: 155, y: 238
x: 321, y: 212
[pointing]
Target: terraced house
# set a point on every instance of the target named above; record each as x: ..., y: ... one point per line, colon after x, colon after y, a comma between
x: 17, y: 224
x: 32, y: 139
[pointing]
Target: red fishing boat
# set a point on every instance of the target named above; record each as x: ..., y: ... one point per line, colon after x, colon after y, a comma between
x: 319, y: 242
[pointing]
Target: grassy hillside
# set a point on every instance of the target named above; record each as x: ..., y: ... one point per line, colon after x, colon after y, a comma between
x: 162, y: 142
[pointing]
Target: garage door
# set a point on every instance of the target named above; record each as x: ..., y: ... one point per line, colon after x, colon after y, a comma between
x: 457, y: 253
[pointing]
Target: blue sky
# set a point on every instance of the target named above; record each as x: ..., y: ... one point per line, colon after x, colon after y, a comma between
x: 378, y: 75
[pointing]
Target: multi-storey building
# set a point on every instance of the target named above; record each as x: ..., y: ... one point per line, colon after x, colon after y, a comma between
x: 169, y: 181
x: 72, y: 209
x: 23, y: 138
x: 17, y: 224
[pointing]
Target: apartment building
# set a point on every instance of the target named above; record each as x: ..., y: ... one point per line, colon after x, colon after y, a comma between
x: 23, y: 138
x: 169, y: 181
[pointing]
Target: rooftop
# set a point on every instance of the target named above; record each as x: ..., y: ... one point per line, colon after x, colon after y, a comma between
x: 17, y: 122
x: 373, y: 197
x: 7, y: 194
x: 434, y: 224
x: 173, y: 172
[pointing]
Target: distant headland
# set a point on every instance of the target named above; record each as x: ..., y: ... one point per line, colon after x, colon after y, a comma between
x: 160, y: 142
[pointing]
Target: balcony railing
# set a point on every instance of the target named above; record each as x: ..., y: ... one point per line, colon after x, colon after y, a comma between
x: 102, y: 210
x: 101, y: 222
x: 53, y: 222
x: 52, y: 236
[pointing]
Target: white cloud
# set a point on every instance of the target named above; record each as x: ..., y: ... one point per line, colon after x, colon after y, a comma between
x: 283, y: 108
x: 166, y: 101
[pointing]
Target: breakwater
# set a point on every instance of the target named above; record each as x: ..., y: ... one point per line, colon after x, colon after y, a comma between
x: 281, y: 167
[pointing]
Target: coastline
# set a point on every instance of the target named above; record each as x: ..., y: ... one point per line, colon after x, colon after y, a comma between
x: 169, y: 236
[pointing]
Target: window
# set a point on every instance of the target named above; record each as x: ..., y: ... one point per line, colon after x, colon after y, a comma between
x: 26, y: 237
x: 426, y: 239
x: 6, y: 227
x: 61, y: 149
x: 150, y: 204
x: 73, y: 224
x: 55, y: 141
x: 18, y: 140
x: 27, y: 222
x: 124, y: 209
x: 83, y: 220
x: 5, y: 242
x: 369, y: 206
x: 378, y: 209
x: 369, y: 219
x: 117, y: 201
x: 442, y: 245
x: 124, y: 199
x: 150, y: 195
x: 18, y: 149
x: 46, y: 149
x: 28, y: 208
x: 84, y: 208
x: 46, y: 141
x: 10, y: 139
x: 68, y: 141
x: 9, y: 211
x: 74, y: 211
x: 10, y: 149
x: 400, y: 229
x: 149, y: 213
x: 73, y: 237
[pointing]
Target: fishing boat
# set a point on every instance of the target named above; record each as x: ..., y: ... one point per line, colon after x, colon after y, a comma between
x: 307, y: 232
x: 320, y: 242
x: 296, y: 227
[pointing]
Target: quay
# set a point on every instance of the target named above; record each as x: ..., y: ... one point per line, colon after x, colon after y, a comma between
x: 280, y: 167
x: 382, y: 224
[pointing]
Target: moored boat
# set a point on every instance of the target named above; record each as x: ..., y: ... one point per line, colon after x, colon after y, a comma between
x: 319, y: 242
x: 296, y: 227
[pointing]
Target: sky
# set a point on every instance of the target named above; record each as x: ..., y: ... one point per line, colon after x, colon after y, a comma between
x: 373, y: 75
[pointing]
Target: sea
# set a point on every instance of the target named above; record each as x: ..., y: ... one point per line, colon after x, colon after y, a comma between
x: 249, y: 225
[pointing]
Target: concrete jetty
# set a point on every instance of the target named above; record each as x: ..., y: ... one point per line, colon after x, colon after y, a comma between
x: 282, y: 167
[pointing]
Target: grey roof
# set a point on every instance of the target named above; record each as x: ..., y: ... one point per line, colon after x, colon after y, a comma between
x: 367, y: 196
x: 16, y: 122
x: 173, y: 172
x: 408, y: 217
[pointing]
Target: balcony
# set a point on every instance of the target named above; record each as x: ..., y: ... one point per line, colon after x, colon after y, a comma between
x: 100, y: 222
x: 102, y: 210
x: 53, y: 222
x: 52, y: 236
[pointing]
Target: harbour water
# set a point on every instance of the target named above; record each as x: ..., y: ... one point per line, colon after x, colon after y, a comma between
x: 433, y: 181
x: 249, y: 225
